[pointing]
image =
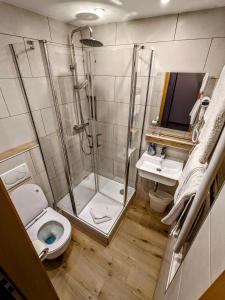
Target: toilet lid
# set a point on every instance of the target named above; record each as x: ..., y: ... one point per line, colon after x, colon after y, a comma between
x: 29, y: 201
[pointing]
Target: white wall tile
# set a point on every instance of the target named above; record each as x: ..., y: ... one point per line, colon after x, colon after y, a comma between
x: 216, y: 58
x: 105, y: 111
x: 35, y: 58
x: 104, y: 87
x: 15, y: 131
x: 178, y: 56
x: 60, y: 59
x: 146, y: 30
x: 49, y: 120
x: 38, y: 91
x: 37, y: 160
x: 59, y: 31
x: 114, y: 61
x: 39, y: 123
x: 105, y: 33
x: 21, y: 22
x: 122, y: 113
x: 3, y: 108
x: 13, y: 96
x: 201, y: 24
x: 65, y: 84
x: 217, y: 242
x: 196, y: 266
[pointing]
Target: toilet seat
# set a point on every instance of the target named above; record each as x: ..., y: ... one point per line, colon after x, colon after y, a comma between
x: 51, y: 215
x: 32, y: 207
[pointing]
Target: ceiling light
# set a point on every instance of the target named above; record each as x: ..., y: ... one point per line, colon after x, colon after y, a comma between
x: 100, y: 12
x: 165, y: 1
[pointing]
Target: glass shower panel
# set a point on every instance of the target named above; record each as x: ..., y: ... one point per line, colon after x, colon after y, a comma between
x: 74, y: 110
x: 111, y: 102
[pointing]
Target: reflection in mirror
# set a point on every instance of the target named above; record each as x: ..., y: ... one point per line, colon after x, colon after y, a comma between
x: 176, y: 97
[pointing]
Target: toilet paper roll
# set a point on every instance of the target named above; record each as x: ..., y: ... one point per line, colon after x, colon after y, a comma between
x: 41, y: 249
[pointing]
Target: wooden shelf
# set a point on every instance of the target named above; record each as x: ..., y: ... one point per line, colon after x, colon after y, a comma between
x: 171, y: 141
x: 17, y: 150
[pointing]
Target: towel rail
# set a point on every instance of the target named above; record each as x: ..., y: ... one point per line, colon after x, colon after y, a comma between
x: 214, y: 165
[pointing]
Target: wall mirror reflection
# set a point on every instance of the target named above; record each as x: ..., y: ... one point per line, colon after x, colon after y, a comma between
x: 177, y: 99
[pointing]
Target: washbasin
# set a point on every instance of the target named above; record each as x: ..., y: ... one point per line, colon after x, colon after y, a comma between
x: 165, y: 171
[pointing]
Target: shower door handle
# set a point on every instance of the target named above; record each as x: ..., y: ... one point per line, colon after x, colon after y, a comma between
x: 97, y: 136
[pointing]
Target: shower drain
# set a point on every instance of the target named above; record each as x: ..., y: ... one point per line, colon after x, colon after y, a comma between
x: 122, y: 191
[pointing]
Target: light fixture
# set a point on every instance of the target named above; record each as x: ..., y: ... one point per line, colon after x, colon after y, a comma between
x: 99, y: 11
x: 165, y: 1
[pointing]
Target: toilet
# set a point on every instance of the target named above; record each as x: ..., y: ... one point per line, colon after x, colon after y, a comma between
x: 41, y: 222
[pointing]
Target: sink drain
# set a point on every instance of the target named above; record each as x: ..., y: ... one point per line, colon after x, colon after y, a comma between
x: 158, y: 169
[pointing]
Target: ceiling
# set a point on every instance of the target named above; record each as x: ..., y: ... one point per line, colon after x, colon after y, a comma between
x: 115, y: 10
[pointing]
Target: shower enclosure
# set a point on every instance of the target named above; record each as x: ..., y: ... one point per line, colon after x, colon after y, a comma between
x: 93, y: 107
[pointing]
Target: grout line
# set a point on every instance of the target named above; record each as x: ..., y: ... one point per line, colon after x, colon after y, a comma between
x: 5, y: 104
x: 207, y: 56
x: 176, y: 27
x: 49, y: 28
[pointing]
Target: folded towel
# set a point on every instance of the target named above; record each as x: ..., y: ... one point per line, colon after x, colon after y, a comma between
x: 99, y: 220
x: 41, y: 249
x: 100, y: 212
x: 188, y: 190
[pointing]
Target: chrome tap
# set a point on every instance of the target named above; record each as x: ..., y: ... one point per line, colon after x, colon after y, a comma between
x: 163, y: 152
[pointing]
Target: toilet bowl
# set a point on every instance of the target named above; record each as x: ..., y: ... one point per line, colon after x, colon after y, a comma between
x: 41, y: 222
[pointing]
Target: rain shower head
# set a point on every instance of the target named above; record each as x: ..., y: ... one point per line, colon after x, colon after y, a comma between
x: 91, y: 42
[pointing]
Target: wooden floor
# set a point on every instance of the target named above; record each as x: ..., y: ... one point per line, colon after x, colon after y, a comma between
x: 125, y: 270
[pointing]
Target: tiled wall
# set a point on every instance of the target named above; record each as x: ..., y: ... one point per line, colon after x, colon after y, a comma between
x: 16, y: 27
x: 189, y: 42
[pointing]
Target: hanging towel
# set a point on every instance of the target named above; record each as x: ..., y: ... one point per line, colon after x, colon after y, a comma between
x: 214, y: 120
x: 188, y: 190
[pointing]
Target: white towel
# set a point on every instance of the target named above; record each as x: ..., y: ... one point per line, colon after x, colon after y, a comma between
x: 100, y: 214
x: 188, y: 190
x: 41, y: 249
x: 214, y: 119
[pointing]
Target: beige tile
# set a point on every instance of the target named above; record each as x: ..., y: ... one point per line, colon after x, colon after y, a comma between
x: 105, y: 111
x: 196, y: 266
x: 65, y: 84
x: 60, y: 59
x: 201, y: 24
x: 59, y: 31
x: 21, y: 22
x: 114, y: 61
x: 122, y: 113
x: 49, y: 120
x: 3, y: 108
x: 104, y: 87
x: 177, y: 56
x: 216, y: 57
x: 155, y: 29
x: 35, y: 58
x: 37, y: 160
x: 217, y: 242
x: 39, y: 123
x: 13, y: 96
x: 15, y: 131
x: 38, y: 91
x: 104, y: 33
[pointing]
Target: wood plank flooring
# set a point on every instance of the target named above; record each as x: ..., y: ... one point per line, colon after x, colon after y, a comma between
x: 125, y: 270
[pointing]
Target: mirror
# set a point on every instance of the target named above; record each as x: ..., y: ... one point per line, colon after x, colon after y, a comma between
x: 174, y: 96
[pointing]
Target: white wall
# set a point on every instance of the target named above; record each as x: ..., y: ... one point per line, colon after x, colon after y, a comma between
x: 189, y: 42
x: 17, y: 26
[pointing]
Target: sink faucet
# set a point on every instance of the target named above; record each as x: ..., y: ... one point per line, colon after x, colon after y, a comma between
x: 163, y: 152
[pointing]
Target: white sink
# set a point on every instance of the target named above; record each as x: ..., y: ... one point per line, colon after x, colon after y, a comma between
x: 165, y: 171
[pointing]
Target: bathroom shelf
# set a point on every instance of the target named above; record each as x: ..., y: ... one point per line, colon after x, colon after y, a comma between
x: 17, y: 150
x: 172, y: 141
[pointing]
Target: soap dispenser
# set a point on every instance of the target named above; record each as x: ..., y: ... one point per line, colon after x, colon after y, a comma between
x: 151, y: 150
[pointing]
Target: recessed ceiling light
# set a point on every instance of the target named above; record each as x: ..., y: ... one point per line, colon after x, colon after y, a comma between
x: 100, y: 12
x: 165, y: 1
